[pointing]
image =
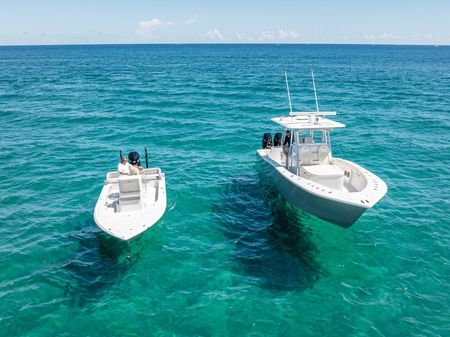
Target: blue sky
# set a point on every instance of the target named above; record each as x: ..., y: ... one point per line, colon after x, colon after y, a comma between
x: 176, y: 21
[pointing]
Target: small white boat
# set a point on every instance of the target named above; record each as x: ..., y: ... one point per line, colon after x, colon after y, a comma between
x: 130, y: 204
x: 305, y: 172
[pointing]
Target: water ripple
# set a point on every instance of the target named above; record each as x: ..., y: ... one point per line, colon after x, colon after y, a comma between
x: 229, y: 257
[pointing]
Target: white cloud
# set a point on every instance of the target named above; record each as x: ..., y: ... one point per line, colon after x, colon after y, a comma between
x: 423, y: 37
x: 285, y: 35
x: 377, y: 38
x: 147, y: 24
x: 280, y: 35
x: 387, y: 36
x: 267, y: 36
x: 294, y: 35
x: 244, y: 37
x: 369, y: 36
x: 146, y: 27
x: 214, y: 35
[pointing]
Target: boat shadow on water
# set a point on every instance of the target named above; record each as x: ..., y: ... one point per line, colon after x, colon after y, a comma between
x: 272, y: 246
x: 98, y: 264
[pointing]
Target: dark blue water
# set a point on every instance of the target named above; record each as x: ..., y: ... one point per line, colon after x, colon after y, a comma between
x: 230, y: 257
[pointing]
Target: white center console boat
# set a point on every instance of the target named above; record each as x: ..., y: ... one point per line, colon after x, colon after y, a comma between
x: 303, y: 169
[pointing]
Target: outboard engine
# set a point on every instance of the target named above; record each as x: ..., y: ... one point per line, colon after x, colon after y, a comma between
x: 277, y: 139
x: 267, y: 141
x: 134, y: 158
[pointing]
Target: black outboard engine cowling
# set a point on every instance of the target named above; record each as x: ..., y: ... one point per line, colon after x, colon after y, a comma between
x: 277, y: 139
x: 267, y: 141
x: 134, y: 158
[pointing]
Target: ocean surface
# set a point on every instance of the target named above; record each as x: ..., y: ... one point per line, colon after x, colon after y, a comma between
x: 230, y: 257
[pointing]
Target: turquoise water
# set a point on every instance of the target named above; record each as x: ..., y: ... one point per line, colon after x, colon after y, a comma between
x: 230, y: 257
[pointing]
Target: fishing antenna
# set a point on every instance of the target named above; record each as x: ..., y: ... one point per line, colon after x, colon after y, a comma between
x: 315, y: 93
x: 146, y: 157
x: 289, y: 94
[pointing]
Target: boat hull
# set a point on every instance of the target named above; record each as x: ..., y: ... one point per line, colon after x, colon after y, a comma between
x: 336, y: 212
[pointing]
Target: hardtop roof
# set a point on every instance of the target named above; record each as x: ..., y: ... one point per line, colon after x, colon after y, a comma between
x: 308, y: 121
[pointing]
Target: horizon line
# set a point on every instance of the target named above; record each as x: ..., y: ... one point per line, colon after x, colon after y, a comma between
x: 224, y: 43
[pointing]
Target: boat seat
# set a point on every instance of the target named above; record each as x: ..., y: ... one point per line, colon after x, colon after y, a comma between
x: 326, y: 170
x: 327, y: 175
x: 112, y: 177
x: 150, y: 171
x: 315, y: 155
x: 151, y: 174
x: 306, y: 155
x: 129, y: 188
x: 324, y: 152
x: 129, y: 196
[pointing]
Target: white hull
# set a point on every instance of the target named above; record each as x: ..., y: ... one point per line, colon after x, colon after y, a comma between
x: 342, y: 206
x: 125, y: 218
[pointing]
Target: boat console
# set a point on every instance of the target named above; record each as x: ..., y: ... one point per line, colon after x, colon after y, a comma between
x: 129, y: 192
